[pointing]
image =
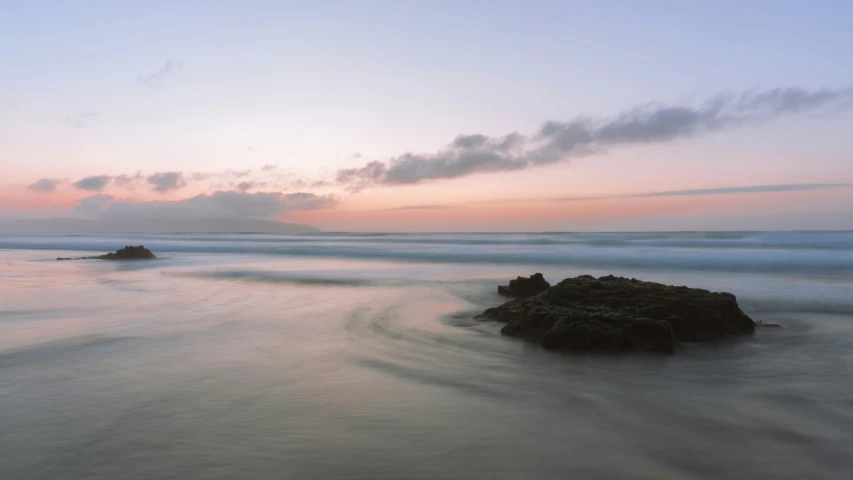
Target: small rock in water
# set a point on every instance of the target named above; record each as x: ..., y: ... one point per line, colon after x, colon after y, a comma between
x: 612, y: 313
x: 126, y: 253
x: 129, y: 253
x: 525, y: 287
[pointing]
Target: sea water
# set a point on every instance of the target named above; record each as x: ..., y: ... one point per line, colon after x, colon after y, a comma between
x: 344, y: 356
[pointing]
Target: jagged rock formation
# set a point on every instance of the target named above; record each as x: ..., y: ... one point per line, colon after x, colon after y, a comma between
x: 525, y: 286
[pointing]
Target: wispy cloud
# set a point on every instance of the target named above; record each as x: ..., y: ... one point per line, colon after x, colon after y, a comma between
x: 220, y: 204
x: 560, y: 140
x: 164, y: 182
x: 155, y: 78
x: 268, y: 178
x: 45, y: 185
x: 81, y: 120
x: 423, y: 207
x: 249, y: 185
x: 128, y: 182
x: 239, y: 173
x: 94, y: 183
x: 790, y: 187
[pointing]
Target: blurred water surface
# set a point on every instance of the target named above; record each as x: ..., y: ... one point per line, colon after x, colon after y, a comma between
x: 338, y: 356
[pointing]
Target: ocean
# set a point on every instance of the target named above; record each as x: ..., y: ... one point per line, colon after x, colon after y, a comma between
x: 357, y: 356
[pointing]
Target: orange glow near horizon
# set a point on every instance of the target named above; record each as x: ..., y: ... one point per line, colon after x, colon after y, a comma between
x: 537, y: 214
x: 460, y: 206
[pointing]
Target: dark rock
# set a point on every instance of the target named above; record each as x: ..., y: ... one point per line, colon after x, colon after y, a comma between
x: 650, y: 335
x: 126, y: 253
x: 610, y: 313
x: 525, y: 287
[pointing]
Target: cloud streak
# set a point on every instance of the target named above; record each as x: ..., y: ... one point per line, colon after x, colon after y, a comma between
x: 790, y: 187
x: 560, y: 140
x: 156, y: 77
x: 94, y: 183
x: 422, y: 207
x: 249, y: 185
x: 45, y: 185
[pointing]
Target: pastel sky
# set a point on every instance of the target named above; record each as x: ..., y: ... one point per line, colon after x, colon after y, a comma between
x: 431, y: 115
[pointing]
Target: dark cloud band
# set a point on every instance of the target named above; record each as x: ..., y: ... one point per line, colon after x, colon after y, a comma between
x: 559, y: 140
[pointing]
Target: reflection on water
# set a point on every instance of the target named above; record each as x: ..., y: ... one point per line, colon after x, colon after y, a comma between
x: 232, y: 359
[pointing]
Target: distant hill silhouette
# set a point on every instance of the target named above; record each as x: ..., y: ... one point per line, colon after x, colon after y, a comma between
x: 153, y: 225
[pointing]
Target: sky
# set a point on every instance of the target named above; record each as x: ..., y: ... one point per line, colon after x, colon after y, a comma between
x: 431, y: 115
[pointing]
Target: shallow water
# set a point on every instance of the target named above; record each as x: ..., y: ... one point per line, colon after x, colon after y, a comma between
x: 356, y: 356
